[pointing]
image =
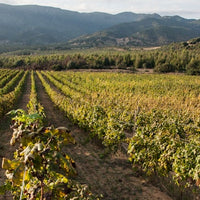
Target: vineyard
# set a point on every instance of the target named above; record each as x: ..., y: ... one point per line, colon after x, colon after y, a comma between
x: 153, y: 118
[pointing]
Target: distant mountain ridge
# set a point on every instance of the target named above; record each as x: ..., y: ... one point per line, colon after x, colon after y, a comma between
x: 41, y: 25
x: 146, y: 32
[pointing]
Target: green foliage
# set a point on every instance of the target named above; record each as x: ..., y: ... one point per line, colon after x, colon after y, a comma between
x: 172, y: 58
x: 193, y: 68
x: 80, y: 111
x: 57, y: 67
x: 162, y: 145
x: 19, y: 63
x: 33, y: 105
x: 5, y: 78
x: 71, y: 65
x: 158, y: 113
x: 164, y: 68
x: 7, y: 100
x: 161, y: 111
x: 12, y: 83
x: 39, y: 169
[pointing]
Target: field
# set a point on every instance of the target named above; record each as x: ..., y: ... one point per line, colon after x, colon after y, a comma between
x: 124, y: 125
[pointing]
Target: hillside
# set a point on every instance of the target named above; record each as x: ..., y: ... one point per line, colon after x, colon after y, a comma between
x: 146, y: 32
x: 38, y: 25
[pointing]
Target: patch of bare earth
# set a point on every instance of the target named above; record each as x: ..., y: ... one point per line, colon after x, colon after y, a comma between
x: 6, y: 150
x: 112, y: 175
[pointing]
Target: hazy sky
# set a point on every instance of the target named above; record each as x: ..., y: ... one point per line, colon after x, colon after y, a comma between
x: 185, y: 8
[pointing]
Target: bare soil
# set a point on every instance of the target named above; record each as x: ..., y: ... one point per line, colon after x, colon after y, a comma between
x: 109, y: 175
x: 114, y: 69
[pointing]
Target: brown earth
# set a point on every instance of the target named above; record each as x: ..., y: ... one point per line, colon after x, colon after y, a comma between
x: 109, y: 175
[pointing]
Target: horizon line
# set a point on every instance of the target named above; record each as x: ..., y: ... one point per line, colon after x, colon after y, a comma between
x: 160, y: 13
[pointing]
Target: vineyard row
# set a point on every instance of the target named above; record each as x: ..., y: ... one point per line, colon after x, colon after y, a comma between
x: 156, y: 115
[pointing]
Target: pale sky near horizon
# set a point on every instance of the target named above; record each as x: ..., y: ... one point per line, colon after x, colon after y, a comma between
x: 184, y: 8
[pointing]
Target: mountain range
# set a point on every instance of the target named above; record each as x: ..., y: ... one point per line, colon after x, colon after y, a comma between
x: 146, y: 32
x: 40, y: 25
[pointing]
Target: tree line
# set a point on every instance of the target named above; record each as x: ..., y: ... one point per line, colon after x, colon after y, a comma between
x: 164, y: 60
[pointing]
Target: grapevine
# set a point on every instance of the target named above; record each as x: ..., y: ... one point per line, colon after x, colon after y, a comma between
x: 7, y: 100
x: 40, y: 169
x: 158, y: 114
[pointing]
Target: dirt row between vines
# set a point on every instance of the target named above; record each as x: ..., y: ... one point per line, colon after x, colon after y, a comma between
x: 112, y: 175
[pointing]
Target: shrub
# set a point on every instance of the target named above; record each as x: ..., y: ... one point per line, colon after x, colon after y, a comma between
x: 164, y: 68
x: 193, y: 68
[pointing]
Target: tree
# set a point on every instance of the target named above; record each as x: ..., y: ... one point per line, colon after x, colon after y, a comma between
x: 164, y: 68
x: 193, y: 68
x: 19, y: 63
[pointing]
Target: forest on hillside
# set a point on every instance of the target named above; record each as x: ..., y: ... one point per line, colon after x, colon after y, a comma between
x: 177, y: 57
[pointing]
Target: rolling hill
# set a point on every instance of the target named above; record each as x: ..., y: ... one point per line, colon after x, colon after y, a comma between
x: 30, y: 25
x: 146, y: 32
x: 33, y: 25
